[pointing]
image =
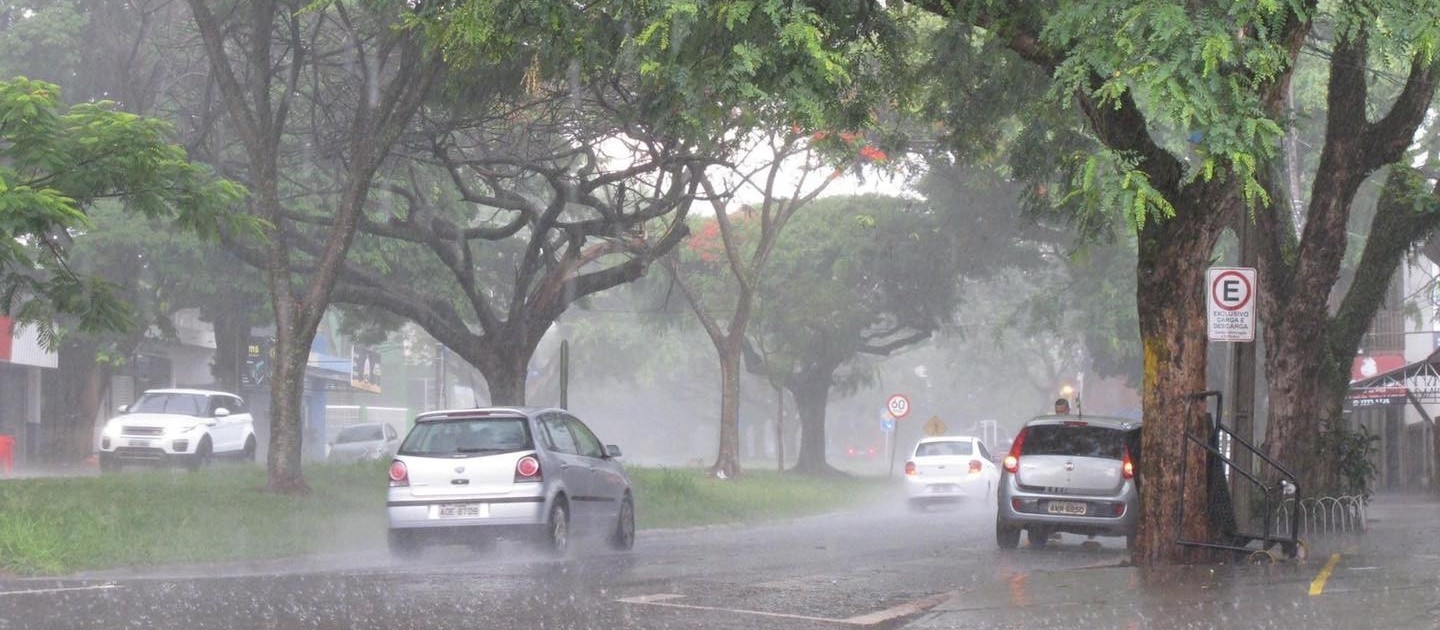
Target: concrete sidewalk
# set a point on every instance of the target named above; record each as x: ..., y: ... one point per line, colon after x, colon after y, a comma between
x: 1388, y: 575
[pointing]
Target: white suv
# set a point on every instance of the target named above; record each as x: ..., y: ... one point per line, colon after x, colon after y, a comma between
x: 185, y: 426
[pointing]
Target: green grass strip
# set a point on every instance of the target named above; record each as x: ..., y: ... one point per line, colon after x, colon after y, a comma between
x: 167, y: 517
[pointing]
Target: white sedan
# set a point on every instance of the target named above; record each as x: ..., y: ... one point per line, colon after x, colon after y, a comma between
x: 950, y: 468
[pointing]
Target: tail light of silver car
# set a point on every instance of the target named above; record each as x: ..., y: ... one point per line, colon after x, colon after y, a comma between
x: 528, y: 469
x: 1012, y: 461
x: 974, y: 466
x: 910, y: 469
x: 399, y: 474
x: 1127, y: 467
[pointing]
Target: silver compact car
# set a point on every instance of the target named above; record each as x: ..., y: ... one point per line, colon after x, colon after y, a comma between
x: 1071, y: 474
x: 363, y: 442
x: 472, y: 476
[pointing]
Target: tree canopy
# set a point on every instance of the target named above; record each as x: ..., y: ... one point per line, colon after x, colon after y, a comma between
x: 56, y: 162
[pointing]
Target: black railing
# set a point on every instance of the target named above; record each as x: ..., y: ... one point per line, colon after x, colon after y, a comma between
x: 1222, y: 508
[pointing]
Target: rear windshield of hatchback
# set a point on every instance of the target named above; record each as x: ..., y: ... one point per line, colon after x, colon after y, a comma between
x: 933, y: 449
x: 1077, y: 441
x: 467, y: 437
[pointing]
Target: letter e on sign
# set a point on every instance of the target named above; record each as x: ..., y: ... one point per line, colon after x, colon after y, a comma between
x: 1230, y: 303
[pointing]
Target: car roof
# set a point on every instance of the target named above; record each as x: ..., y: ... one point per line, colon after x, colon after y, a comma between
x: 1109, y: 422
x: 184, y: 390
x: 480, y: 412
x: 948, y: 438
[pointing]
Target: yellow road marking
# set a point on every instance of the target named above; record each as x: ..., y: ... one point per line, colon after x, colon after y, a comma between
x: 1318, y: 585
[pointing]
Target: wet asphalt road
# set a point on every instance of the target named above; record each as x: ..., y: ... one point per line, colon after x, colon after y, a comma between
x: 879, y: 567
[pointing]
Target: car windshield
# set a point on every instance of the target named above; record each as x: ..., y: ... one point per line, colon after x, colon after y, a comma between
x: 464, y: 437
x: 929, y: 449
x: 179, y: 404
x: 369, y: 433
x: 1079, y: 441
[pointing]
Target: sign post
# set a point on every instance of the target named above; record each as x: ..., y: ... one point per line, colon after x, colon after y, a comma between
x: 1230, y: 304
x: 898, y: 406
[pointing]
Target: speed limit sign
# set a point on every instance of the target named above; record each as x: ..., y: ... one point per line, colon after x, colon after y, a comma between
x: 898, y: 406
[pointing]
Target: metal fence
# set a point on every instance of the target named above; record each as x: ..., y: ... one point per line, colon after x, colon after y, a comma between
x: 1319, y: 516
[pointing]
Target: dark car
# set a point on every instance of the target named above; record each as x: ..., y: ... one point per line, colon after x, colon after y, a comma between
x: 1069, y: 474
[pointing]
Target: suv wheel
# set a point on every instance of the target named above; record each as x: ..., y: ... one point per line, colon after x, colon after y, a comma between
x: 248, y: 455
x: 108, y: 463
x: 1007, y: 537
x: 201, y: 458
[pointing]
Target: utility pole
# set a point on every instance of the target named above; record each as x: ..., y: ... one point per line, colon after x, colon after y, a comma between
x: 1242, y: 389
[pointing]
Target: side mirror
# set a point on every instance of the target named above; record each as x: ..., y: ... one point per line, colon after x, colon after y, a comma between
x: 222, y: 412
x: 612, y: 451
x: 124, y: 408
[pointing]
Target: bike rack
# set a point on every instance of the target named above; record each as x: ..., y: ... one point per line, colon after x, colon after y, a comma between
x: 1237, y: 541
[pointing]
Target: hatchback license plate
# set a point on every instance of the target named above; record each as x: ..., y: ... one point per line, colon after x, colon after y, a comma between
x: 462, y: 510
x: 1067, y: 507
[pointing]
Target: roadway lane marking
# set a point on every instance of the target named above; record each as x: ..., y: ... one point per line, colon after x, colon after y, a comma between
x: 869, y: 619
x: 1318, y: 585
x: 903, y: 610
x: 37, y: 591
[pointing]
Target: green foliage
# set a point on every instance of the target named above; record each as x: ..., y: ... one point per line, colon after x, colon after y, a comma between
x: 55, y: 164
x: 701, y: 66
x: 1350, y: 454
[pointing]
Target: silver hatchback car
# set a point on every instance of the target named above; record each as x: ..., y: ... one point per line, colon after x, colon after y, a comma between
x: 472, y: 476
x: 1072, y: 474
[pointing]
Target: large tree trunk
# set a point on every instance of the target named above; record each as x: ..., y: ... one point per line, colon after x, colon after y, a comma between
x: 1303, y: 396
x: 727, y: 460
x: 507, y: 385
x: 72, y: 401
x: 1172, y: 262
x: 811, y: 390
x: 287, y: 390
x: 1308, y: 357
x: 232, y: 334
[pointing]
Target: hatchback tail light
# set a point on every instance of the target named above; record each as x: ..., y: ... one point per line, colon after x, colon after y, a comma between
x: 974, y: 466
x: 1127, y: 467
x: 1012, y: 461
x: 399, y: 474
x: 910, y: 469
x: 527, y: 469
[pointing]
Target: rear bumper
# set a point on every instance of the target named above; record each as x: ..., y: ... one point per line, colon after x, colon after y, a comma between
x: 920, y: 487
x: 1020, y: 508
x: 497, y: 512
